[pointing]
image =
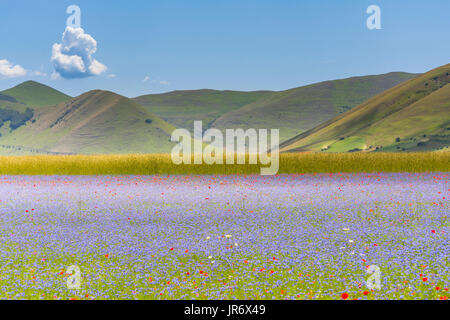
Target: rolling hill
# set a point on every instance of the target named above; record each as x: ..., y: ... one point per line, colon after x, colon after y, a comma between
x: 35, y: 118
x: 97, y: 122
x: 30, y: 94
x: 296, y: 110
x: 182, y: 108
x: 412, y: 116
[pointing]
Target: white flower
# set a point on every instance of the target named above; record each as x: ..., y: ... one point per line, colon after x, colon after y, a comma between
x: 210, y: 257
x: 207, y: 238
x: 228, y: 236
x: 351, y: 241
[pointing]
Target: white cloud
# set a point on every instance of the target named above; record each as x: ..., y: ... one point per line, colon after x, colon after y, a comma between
x: 73, y: 57
x: 8, y: 70
x: 55, y: 76
x: 37, y: 73
x: 111, y: 75
x: 155, y: 81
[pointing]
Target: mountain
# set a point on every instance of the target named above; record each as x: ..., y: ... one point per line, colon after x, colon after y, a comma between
x: 35, y: 118
x: 296, y: 110
x: 412, y: 116
x: 97, y: 122
x: 181, y: 108
x: 30, y: 94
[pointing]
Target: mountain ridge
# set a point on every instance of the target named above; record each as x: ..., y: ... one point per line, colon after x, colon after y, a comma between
x: 35, y: 94
x: 301, y: 108
x: 103, y: 122
x: 384, y: 121
x: 97, y: 121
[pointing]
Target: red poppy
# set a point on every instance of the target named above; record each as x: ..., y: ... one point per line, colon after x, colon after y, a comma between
x: 425, y: 279
x: 365, y: 293
x: 344, y: 295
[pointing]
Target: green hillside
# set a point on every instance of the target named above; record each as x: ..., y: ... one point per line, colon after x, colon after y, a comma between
x: 181, y: 108
x: 31, y: 94
x: 97, y: 122
x: 412, y: 116
x: 299, y: 109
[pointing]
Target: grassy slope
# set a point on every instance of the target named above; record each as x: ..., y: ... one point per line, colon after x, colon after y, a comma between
x: 34, y: 95
x: 181, y: 108
x: 300, y: 109
x: 408, y: 111
x: 95, y: 122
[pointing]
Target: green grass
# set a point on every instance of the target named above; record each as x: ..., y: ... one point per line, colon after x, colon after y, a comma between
x: 162, y: 164
x: 231, y: 281
x: 347, y: 144
x: 34, y: 94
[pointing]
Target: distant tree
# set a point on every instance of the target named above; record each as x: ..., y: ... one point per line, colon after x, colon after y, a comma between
x: 148, y: 121
x: 397, y: 139
x: 16, y: 118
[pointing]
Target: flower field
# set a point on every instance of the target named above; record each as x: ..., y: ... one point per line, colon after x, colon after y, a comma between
x: 297, y: 236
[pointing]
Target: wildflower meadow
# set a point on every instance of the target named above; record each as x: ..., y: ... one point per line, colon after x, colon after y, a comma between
x: 296, y: 236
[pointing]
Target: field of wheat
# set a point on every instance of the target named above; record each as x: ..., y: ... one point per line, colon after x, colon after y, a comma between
x: 290, y: 163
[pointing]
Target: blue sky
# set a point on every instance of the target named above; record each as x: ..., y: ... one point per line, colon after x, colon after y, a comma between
x: 234, y: 44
